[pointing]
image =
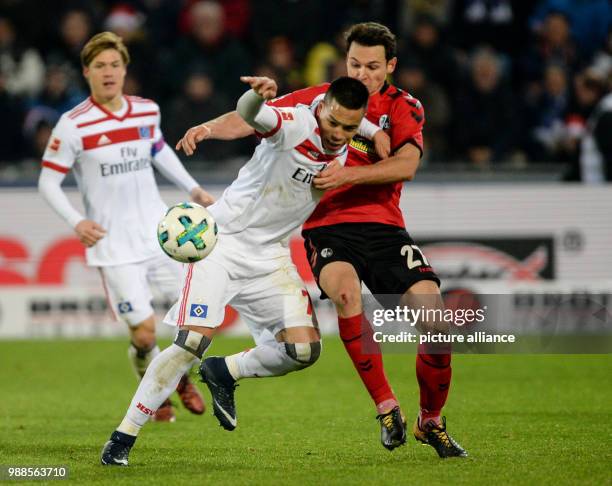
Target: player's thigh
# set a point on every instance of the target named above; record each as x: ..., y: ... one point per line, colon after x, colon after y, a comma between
x: 166, y: 276
x: 396, y: 264
x: 206, y: 290
x: 275, y: 302
x: 128, y: 292
x: 335, y: 259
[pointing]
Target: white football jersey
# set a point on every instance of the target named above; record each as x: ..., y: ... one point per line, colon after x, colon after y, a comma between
x: 111, y: 156
x: 273, y: 193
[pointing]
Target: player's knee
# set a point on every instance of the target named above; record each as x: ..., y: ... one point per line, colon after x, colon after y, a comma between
x: 304, y: 354
x: 347, y: 299
x: 143, y: 338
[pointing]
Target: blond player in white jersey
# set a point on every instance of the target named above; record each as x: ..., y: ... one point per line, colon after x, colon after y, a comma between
x: 250, y: 267
x: 110, y: 142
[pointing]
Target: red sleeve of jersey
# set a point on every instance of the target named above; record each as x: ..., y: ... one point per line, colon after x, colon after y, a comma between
x: 300, y: 97
x: 407, y: 119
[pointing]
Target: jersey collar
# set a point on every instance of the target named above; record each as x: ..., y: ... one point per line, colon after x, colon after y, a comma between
x: 110, y: 114
x: 378, y: 95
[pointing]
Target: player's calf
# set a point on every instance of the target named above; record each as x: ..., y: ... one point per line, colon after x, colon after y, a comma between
x: 141, y: 356
x: 273, y: 359
x: 143, y: 346
x: 269, y: 359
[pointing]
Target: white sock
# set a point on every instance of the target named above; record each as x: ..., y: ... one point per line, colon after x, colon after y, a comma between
x: 269, y: 359
x: 140, y: 358
x: 158, y: 383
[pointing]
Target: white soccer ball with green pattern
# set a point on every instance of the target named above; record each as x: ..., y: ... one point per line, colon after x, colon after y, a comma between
x: 187, y: 232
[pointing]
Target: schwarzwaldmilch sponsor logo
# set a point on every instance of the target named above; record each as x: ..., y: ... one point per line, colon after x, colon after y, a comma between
x: 362, y: 145
x: 511, y: 258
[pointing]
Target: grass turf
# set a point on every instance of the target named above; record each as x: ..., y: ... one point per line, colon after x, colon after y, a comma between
x: 524, y: 419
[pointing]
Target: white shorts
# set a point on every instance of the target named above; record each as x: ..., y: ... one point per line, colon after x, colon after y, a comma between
x: 129, y: 287
x: 262, y: 284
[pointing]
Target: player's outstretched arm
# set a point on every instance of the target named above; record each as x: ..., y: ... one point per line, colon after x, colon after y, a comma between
x: 49, y: 186
x: 262, y: 85
x: 251, y: 105
x: 229, y: 126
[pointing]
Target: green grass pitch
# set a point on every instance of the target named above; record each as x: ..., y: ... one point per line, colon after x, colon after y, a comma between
x: 524, y: 420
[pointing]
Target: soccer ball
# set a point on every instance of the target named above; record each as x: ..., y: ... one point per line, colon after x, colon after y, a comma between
x: 187, y: 232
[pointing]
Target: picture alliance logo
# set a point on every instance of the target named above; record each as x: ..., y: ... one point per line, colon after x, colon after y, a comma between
x: 517, y: 259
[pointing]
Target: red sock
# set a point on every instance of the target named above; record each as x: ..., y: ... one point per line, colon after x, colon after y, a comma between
x: 433, y: 372
x: 356, y: 333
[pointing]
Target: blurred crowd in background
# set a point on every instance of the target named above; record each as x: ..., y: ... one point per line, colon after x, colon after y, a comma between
x: 500, y: 80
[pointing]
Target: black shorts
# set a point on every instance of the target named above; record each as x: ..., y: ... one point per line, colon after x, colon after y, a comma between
x: 385, y: 258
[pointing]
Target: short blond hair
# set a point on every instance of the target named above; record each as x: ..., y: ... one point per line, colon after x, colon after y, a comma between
x: 101, y: 42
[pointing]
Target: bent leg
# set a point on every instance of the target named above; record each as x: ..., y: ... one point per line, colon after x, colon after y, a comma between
x: 278, y: 311
x: 293, y: 349
x: 159, y: 381
x: 129, y: 297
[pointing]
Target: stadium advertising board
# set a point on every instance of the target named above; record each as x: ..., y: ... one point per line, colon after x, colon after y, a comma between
x: 551, y: 240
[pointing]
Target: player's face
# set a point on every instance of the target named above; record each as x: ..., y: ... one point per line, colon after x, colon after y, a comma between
x: 337, y: 124
x: 369, y: 65
x: 105, y: 75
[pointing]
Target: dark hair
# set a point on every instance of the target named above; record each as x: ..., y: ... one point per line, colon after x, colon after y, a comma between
x: 372, y: 34
x: 348, y: 92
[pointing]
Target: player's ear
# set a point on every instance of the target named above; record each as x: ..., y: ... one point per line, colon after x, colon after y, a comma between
x: 391, y: 63
x: 86, y: 72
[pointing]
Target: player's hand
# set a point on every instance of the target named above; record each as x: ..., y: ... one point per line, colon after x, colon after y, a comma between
x: 334, y: 175
x: 263, y: 86
x: 89, y: 232
x: 193, y: 136
x: 200, y: 196
x: 382, y: 144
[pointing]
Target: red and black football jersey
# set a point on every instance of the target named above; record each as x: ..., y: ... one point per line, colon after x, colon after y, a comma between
x: 402, y: 118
